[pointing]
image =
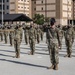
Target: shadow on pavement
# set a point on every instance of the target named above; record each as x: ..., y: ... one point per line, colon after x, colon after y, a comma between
x: 23, y: 63
x: 7, y: 51
x: 62, y: 55
x: 12, y: 51
x: 5, y: 55
x: 41, y: 53
x: 25, y: 48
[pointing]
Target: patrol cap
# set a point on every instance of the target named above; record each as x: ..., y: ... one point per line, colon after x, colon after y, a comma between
x: 52, y: 20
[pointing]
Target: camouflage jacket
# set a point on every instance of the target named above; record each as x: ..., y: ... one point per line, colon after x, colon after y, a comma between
x: 52, y: 35
x: 32, y: 33
x: 60, y: 32
x: 17, y: 35
x: 69, y: 34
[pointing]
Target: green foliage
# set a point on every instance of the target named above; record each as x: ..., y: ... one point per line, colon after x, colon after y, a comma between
x: 39, y: 19
x: 47, y: 19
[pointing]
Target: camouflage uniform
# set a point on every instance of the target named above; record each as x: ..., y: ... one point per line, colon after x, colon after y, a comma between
x: 69, y: 39
x: 1, y: 34
x: 21, y: 32
x: 60, y: 36
x: 11, y: 36
x: 42, y: 33
x: 5, y: 34
x: 74, y: 30
x: 32, y: 39
x: 52, y: 37
x: 17, y: 42
x: 26, y: 36
x: 38, y: 34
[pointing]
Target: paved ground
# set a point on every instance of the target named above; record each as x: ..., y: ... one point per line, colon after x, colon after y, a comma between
x: 36, y: 64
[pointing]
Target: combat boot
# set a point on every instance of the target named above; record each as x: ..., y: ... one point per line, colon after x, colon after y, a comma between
x: 56, y: 67
x: 69, y: 55
x: 15, y: 56
x: 66, y: 55
x: 18, y: 56
x: 52, y: 67
x: 31, y: 53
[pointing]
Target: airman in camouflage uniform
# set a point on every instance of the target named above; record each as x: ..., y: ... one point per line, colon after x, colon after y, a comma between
x: 38, y: 31
x: 26, y: 36
x: 60, y: 34
x: 5, y: 34
x: 69, y: 39
x: 11, y: 36
x: 32, y: 39
x: 42, y: 33
x: 52, y: 37
x: 21, y: 32
x: 17, y: 42
x: 1, y: 34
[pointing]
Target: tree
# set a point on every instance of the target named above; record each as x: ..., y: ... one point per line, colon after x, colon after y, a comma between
x: 38, y: 19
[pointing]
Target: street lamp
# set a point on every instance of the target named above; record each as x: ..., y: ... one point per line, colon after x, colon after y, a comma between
x: 2, y: 12
x: 73, y: 12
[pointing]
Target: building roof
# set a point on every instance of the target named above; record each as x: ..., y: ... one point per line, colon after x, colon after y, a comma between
x: 15, y: 17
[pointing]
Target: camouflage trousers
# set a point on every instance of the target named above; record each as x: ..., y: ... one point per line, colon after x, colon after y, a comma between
x: 53, y: 52
x: 69, y: 46
x: 11, y: 40
x: 42, y: 36
x: 21, y: 38
x: 32, y: 45
x: 17, y: 47
x: 26, y: 38
x: 1, y: 35
x: 5, y: 38
x: 60, y: 41
x: 38, y: 38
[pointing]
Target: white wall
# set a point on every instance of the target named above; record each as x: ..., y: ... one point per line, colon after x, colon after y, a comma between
x: 51, y: 14
x: 64, y: 21
x: 51, y: 7
x: 51, y: 1
x: 38, y: 8
x: 61, y: 21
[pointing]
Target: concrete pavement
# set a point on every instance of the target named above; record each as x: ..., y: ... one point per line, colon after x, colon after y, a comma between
x: 36, y: 64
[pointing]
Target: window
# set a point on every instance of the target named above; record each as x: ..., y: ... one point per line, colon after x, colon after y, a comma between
x: 18, y: 6
x: 42, y: 8
x: 7, y: 0
x: 27, y: 1
x: 41, y: 1
x: 34, y: 8
x: 3, y: 1
x: 21, y: 7
x: 7, y: 7
x: 34, y: 2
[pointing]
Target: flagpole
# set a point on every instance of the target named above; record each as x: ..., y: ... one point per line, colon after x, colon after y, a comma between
x: 2, y: 12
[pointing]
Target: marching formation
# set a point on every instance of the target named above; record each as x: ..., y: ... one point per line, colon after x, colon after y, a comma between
x: 34, y: 34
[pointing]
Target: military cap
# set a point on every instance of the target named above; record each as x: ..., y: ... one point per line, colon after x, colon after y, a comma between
x: 52, y: 20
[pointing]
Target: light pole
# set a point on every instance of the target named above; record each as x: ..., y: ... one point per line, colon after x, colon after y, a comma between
x: 45, y: 9
x: 67, y: 13
x: 73, y: 12
x: 2, y: 12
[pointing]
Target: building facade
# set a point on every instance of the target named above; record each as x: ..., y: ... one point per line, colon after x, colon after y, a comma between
x: 16, y: 6
x: 5, y: 6
x: 62, y: 10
